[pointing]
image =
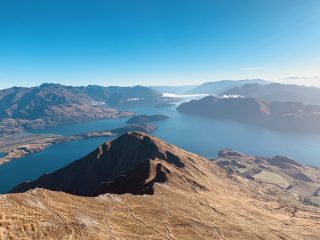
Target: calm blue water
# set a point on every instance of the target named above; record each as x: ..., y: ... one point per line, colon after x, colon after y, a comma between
x: 53, y: 158
x: 68, y: 130
x: 199, y: 135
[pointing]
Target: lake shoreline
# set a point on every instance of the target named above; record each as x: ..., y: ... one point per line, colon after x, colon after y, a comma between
x: 34, y: 143
x: 195, y: 134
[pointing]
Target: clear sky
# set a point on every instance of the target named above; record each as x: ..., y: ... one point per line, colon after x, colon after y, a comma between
x: 158, y: 42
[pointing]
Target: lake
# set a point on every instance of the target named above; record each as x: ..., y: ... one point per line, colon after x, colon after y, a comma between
x: 195, y: 134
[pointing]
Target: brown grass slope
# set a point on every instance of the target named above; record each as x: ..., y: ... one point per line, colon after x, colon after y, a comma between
x: 191, y: 198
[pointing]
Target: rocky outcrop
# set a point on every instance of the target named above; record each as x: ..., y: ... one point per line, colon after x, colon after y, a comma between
x: 229, y: 153
x: 284, y: 162
x: 137, y: 181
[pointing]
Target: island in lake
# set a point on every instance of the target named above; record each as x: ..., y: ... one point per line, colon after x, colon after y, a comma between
x: 142, y: 119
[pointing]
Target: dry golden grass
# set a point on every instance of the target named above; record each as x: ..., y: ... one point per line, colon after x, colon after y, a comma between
x: 222, y: 212
x: 227, y: 208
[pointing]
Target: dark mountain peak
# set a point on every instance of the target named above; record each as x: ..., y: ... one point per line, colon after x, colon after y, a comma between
x: 141, y: 147
x: 132, y: 163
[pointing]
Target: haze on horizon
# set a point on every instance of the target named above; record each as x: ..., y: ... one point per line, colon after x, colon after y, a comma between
x: 158, y: 42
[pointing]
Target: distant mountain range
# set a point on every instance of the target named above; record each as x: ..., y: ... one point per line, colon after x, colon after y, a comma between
x: 145, y: 188
x: 252, y: 88
x: 53, y: 104
x: 182, y: 89
x: 280, y: 116
x: 218, y: 87
x: 278, y: 92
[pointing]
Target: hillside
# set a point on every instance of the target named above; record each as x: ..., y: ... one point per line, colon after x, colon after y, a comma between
x: 280, y: 173
x: 54, y: 104
x: 108, y: 166
x: 184, y: 197
x: 279, y: 116
x: 278, y: 92
x: 115, y: 96
x: 218, y: 87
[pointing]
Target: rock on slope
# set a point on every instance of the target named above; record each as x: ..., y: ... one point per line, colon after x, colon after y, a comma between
x: 187, y: 197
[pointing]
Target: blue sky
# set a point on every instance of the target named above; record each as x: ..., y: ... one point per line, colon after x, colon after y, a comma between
x: 158, y: 42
